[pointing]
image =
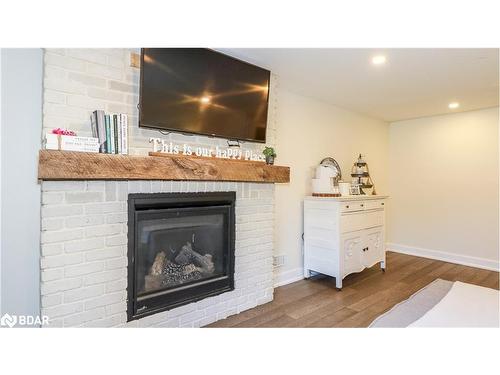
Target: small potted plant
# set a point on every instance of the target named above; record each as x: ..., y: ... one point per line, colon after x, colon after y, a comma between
x: 270, y: 154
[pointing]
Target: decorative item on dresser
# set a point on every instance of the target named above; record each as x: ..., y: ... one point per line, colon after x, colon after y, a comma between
x: 361, y: 177
x: 343, y: 235
x: 328, y: 175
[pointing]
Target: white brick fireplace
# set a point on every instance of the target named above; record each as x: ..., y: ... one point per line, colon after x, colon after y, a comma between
x: 84, y: 253
x: 84, y: 223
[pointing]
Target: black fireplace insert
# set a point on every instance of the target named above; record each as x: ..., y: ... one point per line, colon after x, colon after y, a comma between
x: 180, y: 249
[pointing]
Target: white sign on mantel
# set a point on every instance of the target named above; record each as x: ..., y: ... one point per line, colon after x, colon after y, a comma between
x: 161, y: 145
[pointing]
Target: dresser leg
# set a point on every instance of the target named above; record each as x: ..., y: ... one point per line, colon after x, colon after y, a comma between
x: 307, y: 274
x: 382, y: 265
x: 338, y: 283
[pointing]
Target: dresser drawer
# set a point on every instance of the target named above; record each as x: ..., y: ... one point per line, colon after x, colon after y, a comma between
x: 352, y: 206
x: 320, y: 218
x: 350, y: 222
x: 373, y: 204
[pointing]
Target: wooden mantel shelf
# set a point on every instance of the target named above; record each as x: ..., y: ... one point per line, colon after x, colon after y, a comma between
x: 69, y: 165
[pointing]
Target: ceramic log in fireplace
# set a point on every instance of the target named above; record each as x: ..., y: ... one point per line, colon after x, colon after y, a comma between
x: 180, y: 249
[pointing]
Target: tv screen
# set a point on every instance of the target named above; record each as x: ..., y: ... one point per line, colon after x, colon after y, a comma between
x: 200, y: 91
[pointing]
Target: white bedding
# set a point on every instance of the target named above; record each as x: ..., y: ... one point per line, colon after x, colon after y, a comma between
x: 465, y: 305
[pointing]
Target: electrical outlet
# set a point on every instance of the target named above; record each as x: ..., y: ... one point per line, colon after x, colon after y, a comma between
x: 278, y: 260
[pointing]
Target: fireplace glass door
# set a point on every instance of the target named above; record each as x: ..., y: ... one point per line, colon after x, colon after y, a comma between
x: 179, y: 247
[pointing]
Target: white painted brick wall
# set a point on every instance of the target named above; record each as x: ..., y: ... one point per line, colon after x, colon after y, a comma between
x: 84, y: 223
x: 84, y: 253
x: 78, y: 81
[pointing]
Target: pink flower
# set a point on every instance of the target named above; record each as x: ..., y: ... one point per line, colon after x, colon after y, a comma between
x: 60, y: 131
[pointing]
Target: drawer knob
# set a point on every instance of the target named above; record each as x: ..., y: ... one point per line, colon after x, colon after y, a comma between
x: 382, y: 203
x: 362, y: 205
x: 347, y: 206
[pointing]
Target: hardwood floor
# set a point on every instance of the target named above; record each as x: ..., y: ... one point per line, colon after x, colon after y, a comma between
x: 365, y: 295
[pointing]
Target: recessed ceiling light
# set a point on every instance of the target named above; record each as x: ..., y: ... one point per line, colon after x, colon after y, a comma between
x: 205, y: 99
x: 453, y: 105
x: 378, y: 60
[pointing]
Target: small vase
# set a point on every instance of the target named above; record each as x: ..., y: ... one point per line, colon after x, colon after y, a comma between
x: 270, y: 160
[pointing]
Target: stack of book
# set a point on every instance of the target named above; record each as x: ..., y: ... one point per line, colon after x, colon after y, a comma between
x: 111, y: 130
x: 71, y: 143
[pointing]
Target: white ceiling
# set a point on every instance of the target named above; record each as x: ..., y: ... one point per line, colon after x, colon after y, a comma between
x: 413, y: 82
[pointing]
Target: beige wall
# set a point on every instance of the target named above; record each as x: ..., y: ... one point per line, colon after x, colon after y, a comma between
x: 443, y: 179
x: 308, y: 130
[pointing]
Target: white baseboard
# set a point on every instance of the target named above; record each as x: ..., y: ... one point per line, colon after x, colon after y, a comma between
x: 288, y: 277
x: 465, y: 260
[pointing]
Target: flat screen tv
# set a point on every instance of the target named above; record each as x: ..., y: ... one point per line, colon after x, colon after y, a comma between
x: 201, y: 91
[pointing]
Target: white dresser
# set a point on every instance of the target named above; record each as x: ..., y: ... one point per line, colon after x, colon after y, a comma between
x: 343, y: 235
